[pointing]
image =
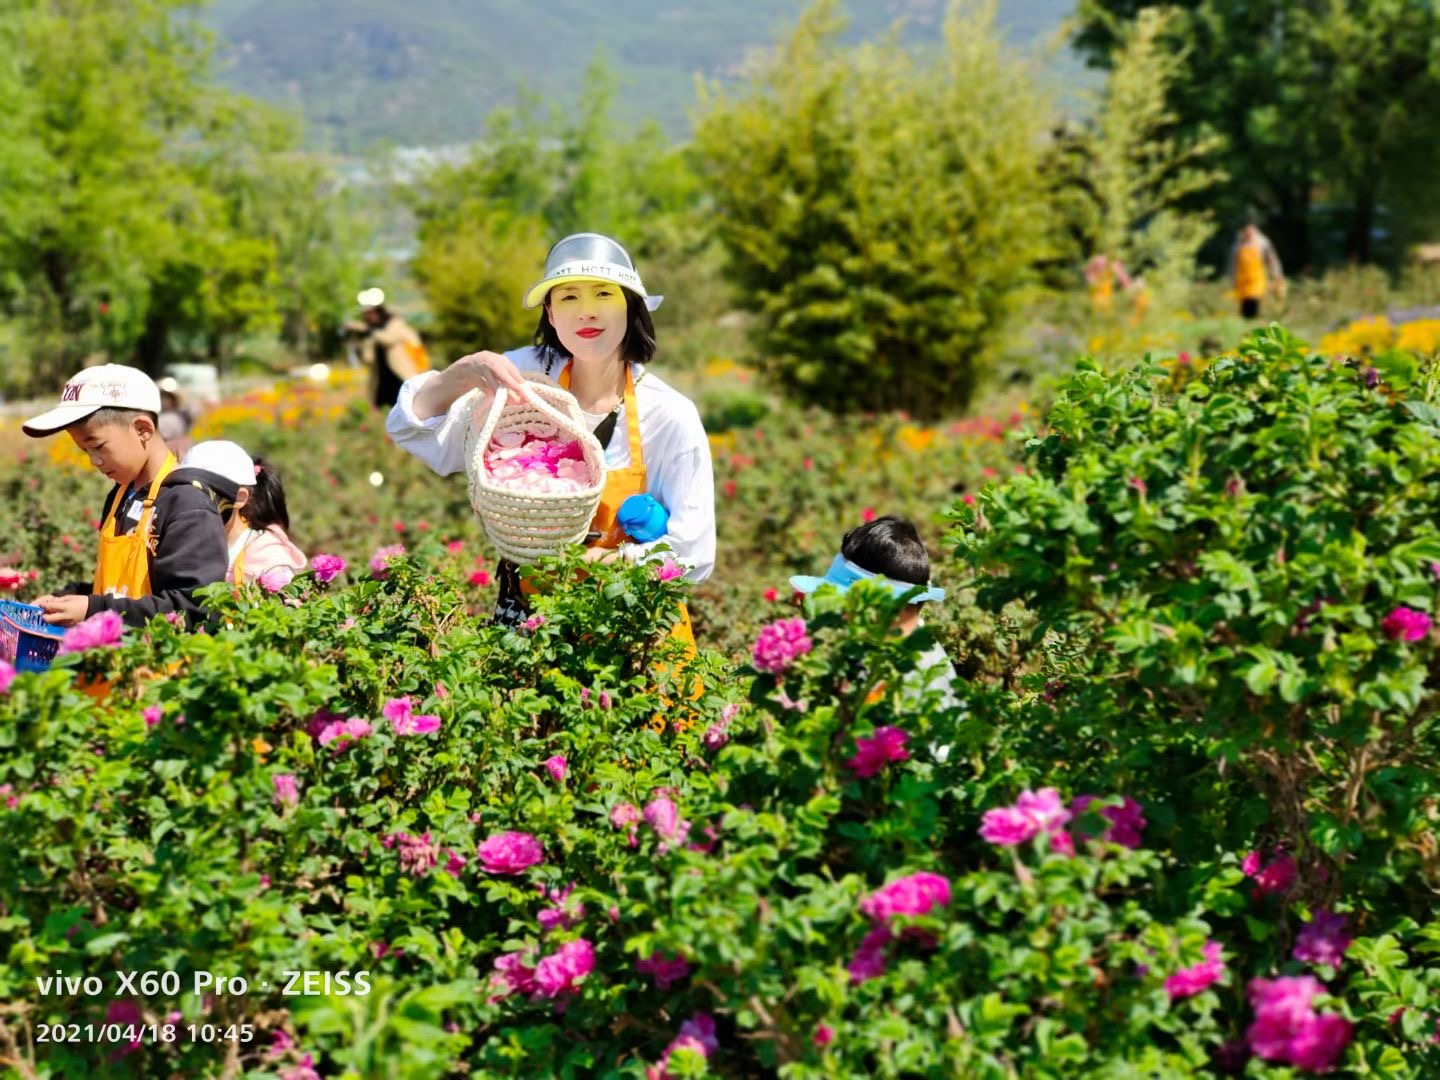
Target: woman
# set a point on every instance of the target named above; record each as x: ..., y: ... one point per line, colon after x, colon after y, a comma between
x: 390, y: 348
x: 596, y: 339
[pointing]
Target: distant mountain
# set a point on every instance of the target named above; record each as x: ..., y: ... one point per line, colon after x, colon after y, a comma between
x: 428, y: 72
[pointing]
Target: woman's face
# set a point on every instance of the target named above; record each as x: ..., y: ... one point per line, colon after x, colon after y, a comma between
x: 589, y: 317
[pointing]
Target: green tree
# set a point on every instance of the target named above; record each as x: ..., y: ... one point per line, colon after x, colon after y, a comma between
x: 1144, y: 174
x: 1332, y: 101
x: 883, y: 212
x: 87, y: 210
x: 484, y: 224
x: 141, y: 208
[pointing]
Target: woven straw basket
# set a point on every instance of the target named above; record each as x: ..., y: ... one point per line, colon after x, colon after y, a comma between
x: 524, y: 525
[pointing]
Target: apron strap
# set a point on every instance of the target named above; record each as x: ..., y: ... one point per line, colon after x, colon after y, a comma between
x: 632, y: 415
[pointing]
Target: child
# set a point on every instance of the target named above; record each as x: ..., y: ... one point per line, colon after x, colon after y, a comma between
x: 253, y: 507
x: 161, y: 536
x: 890, y: 551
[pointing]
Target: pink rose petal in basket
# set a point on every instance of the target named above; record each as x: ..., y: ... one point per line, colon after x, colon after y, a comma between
x: 508, y: 439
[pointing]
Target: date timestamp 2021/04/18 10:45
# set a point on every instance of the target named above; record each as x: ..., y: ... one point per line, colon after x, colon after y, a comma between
x: 136, y: 1034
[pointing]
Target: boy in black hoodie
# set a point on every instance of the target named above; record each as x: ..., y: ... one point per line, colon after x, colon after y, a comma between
x: 161, y: 532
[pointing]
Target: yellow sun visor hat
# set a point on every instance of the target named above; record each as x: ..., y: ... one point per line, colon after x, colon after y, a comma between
x: 588, y: 257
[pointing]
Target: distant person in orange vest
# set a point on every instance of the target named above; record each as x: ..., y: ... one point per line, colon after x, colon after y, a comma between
x: 1253, y: 267
x: 389, y: 347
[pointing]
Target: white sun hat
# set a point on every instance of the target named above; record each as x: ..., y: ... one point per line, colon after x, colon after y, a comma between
x: 225, y: 459
x: 588, y: 256
x: 108, y: 386
x: 374, y: 297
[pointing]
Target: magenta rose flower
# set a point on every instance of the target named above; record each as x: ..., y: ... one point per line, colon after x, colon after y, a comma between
x: 101, y: 630
x: 510, y: 853
x: 1322, y: 940
x: 1187, y: 982
x: 874, y: 752
x: 558, y: 973
x: 327, y: 567
x: 1406, y: 624
x: 917, y: 894
x: 779, y: 644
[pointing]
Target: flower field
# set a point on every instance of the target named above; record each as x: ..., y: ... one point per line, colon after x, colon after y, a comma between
x: 1182, y: 821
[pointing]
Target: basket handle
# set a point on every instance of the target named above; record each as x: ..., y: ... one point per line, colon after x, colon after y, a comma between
x: 538, y: 389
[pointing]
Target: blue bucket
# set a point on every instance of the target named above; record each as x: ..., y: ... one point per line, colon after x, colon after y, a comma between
x: 26, y: 639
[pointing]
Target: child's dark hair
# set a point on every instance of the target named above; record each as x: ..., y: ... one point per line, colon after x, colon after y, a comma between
x: 890, y: 546
x: 639, y: 343
x: 266, y: 505
x: 119, y: 417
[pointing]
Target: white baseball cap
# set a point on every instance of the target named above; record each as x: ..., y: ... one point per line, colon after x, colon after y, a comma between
x: 225, y: 459
x: 109, y: 386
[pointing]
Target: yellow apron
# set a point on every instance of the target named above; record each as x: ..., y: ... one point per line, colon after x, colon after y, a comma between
x: 1249, y: 272
x: 122, y: 567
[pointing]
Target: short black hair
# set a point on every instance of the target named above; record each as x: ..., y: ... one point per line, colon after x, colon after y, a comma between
x: 109, y: 417
x: 266, y: 505
x: 639, y: 343
x: 890, y: 546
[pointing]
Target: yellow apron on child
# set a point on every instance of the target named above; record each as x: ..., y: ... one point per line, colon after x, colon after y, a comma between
x: 122, y: 567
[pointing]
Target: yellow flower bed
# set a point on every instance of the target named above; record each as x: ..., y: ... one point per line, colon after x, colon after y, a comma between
x: 1364, y: 336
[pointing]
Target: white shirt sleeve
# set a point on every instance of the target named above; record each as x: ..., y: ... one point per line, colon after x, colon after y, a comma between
x: 439, y: 441
x: 680, y: 476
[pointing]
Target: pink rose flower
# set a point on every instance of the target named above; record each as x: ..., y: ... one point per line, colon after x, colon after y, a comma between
x: 417, y: 853
x: 556, y: 766
x: 273, y: 581
x: 512, y: 975
x: 625, y: 814
x: 872, y: 754
x: 286, y: 791
x: 917, y: 894
x: 558, y: 973
x: 1287, y: 1028
x: 1322, y: 941
x: 1127, y: 821
x: 1275, y: 877
x: 1187, y: 982
x: 1033, y: 813
x: 97, y: 632
x: 664, y: 817
x: 480, y: 578
x: 152, y: 714
x: 869, y: 959
x: 665, y: 970
x: 327, y: 567
x: 824, y: 1035
x: 510, y: 853
x: 380, y: 561
x: 454, y: 862
x: 779, y: 644
x: 303, y: 1071
x: 7, y: 676
x: 1406, y: 624
x: 403, y: 719
x: 669, y: 570
x: 344, y: 732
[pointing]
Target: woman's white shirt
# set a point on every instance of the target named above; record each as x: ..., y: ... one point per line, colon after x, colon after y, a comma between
x: 678, y: 471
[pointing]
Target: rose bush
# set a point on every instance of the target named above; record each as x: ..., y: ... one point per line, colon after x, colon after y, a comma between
x: 561, y: 851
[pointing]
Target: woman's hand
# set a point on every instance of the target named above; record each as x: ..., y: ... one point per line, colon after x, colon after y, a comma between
x: 484, y: 371
x: 63, y: 610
